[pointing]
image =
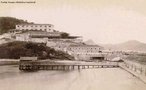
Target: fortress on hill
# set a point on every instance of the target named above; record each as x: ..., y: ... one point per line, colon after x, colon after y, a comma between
x: 45, y: 33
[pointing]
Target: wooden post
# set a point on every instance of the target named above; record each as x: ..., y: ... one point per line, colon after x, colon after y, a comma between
x: 78, y: 66
x: 73, y: 67
x: 43, y: 67
x: 68, y: 67
x: 51, y: 67
x: 145, y: 71
x: 46, y: 67
x: 84, y: 66
x: 135, y: 68
x: 141, y: 70
x: 54, y: 67
x: 63, y: 67
x: 58, y: 67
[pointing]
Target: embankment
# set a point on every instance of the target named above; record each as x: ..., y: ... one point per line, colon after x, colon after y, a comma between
x: 137, y: 69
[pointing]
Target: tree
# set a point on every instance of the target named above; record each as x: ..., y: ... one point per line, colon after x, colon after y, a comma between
x: 7, y: 23
x: 14, y: 50
x: 64, y: 35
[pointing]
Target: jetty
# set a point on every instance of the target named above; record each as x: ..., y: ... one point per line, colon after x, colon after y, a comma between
x: 30, y: 64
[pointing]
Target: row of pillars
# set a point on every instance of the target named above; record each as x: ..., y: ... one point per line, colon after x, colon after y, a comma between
x: 62, y: 67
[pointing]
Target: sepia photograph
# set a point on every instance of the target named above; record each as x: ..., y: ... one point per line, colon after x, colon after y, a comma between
x: 72, y: 44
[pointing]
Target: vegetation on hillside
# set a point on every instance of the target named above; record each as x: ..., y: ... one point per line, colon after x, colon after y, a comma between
x: 64, y: 35
x: 14, y: 50
x: 7, y: 23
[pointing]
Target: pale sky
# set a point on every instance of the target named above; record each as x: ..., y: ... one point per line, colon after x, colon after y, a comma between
x: 103, y: 21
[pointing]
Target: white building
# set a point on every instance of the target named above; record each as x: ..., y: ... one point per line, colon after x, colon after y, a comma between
x: 33, y: 36
x: 85, y: 52
x: 37, y: 27
x: 61, y: 44
x: 28, y: 38
x: 22, y: 37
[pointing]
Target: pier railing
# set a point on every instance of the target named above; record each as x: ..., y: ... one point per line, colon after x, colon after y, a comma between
x: 137, y: 69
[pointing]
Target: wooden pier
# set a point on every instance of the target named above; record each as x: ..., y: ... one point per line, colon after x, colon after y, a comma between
x: 37, y: 66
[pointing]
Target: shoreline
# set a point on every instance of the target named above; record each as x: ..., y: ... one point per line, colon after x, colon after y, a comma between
x: 48, y: 61
x: 16, y: 61
x: 9, y: 62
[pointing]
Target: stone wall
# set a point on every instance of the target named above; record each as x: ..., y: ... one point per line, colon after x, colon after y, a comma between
x: 137, y: 69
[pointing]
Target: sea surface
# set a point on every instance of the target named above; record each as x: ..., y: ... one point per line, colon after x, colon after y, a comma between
x: 86, y: 79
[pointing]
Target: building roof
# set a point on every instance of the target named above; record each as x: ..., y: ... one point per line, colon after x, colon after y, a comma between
x: 28, y: 58
x: 84, y: 45
x: 116, y: 59
x: 34, y: 32
x: 33, y: 24
x: 69, y: 37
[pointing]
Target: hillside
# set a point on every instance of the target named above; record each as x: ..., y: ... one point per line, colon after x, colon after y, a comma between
x: 14, y: 50
x: 129, y: 45
x: 7, y: 23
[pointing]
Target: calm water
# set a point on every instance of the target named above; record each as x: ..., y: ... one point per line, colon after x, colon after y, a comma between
x: 88, y: 79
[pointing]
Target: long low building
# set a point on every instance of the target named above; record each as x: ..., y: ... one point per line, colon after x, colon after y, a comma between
x: 61, y: 44
x: 36, y: 27
x: 36, y: 36
x: 86, y: 52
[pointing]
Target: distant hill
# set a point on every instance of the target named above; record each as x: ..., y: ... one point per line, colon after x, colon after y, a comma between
x: 7, y: 23
x: 90, y: 42
x: 129, y: 45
